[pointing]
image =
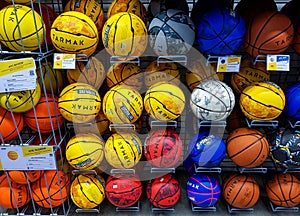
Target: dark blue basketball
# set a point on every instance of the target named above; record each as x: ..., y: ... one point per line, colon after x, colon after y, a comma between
x: 220, y: 32
x: 207, y: 150
x: 203, y: 190
x: 292, y: 103
x: 188, y: 165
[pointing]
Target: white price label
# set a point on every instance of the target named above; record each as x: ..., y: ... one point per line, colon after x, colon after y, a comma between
x: 278, y: 62
x: 17, y: 75
x: 229, y: 64
x: 64, y: 61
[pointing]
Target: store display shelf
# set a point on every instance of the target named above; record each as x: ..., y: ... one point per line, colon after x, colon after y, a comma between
x: 162, y: 210
x: 253, y: 170
x: 162, y: 170
x: 232, y: 209
x: 196, y: 208
x: 294, y: 124
x: 134, y: 208
x: 262, y: 123
x: 199, y: 169
x: 283, y: 209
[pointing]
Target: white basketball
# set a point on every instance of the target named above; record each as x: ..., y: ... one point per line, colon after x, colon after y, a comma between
x: 212, y: 100
x: 171, y: 32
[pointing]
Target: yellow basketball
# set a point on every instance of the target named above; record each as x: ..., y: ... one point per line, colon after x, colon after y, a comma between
x: 21, y: 1
x: 21, y: 26
x: 53, y: 79
x: 91, y: 72
x: 249, y: 73
x: 124, y: 34
x: 74, y: 32
x: 132, y: 6
x: 198, y: 71
x: 262, y: 101
x: 162, y: 72
x: 164, y: 101
x: 122, y: 104
x: 99, y: 126
x: 79, y: 102
x: 21, y: 101
x: 91, y: 8
x: 123, y: 150
x: 85, y: 151
x: 125, y: 73
x: 87, y: 191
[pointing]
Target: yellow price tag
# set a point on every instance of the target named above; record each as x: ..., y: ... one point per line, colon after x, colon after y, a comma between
x: 64, y: 61
x: 16, y: 65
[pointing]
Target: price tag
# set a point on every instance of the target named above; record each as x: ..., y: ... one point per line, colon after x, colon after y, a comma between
x: 278, y: 62
x: 27, y: 158
x: 17, y: 75
x: 229, y: 64
x: 64, y: 61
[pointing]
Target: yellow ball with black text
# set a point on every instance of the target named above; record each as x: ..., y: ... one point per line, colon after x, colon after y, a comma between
x: 79, y: 102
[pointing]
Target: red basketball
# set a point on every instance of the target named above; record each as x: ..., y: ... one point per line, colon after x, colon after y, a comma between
x: 247, y: 147
x: 283, y: 189
x: 163, y: 148
x: 123, y: 190
x: 269, y: 33
x: 45, y: 116
x: 15, y: 196
x: 24, y: 177
x: 163, y: 191
x: 52, y: 189
x: 240, y: 190
x: 10, y: 125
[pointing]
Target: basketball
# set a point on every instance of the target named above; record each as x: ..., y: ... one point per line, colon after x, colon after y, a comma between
x: 189, y: 165
x: 20, y: 101
x: 236, y: 119
x: 21, y: 1
x: 248, y: 74
x: 247, y: 147
x: 74, y: 32
x: 87, y: 191
x: 262, y: 100
x: 292, y: 105
x: 99, y: 126
x: 52, y: 79
x: 163, y: 148
x: 163, y: 191
x: 207, y: 150
x: 240, y: 190
x: 161, y: 72
x: 13, y: 195
x: 52, y: 189
x: 91, y: 8
x: 203, y: 190
x: 219, y: 32
x: 45, y: 116
x: 123, y: 150
x: 164, y: 101
x: 125, y: 73
x: 22, y: 28
x: 171, y: 32
x: 24, y: 177
x: 122, y: 104
x: 85, y: 151
x: 10, y: 124
x: 285, y: 147
x: 212, y: 100
x: 269, y: 33
x: 283, y: 189
x: 132, y: 6
x: 123, y: 190
x: 124, y: 34
x: 198, y: 71
x: 91, y: 72
x: 79, y: 103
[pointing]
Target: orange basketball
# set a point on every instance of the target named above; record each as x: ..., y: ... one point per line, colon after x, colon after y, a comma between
x: 15, y: 196
x: 240, y: 190
x: 283, y: 189
x: 10, y: 125
x: 52, y: 189
x: 247, y: 147
x: 45, y: 116
x: 23, y: 177
x: 269, y: 33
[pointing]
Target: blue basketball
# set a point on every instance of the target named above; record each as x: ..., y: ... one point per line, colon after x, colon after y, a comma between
x: 219, y: 32
x: 203, y: 190
x: 292, y: 105
x: 207, y: 150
